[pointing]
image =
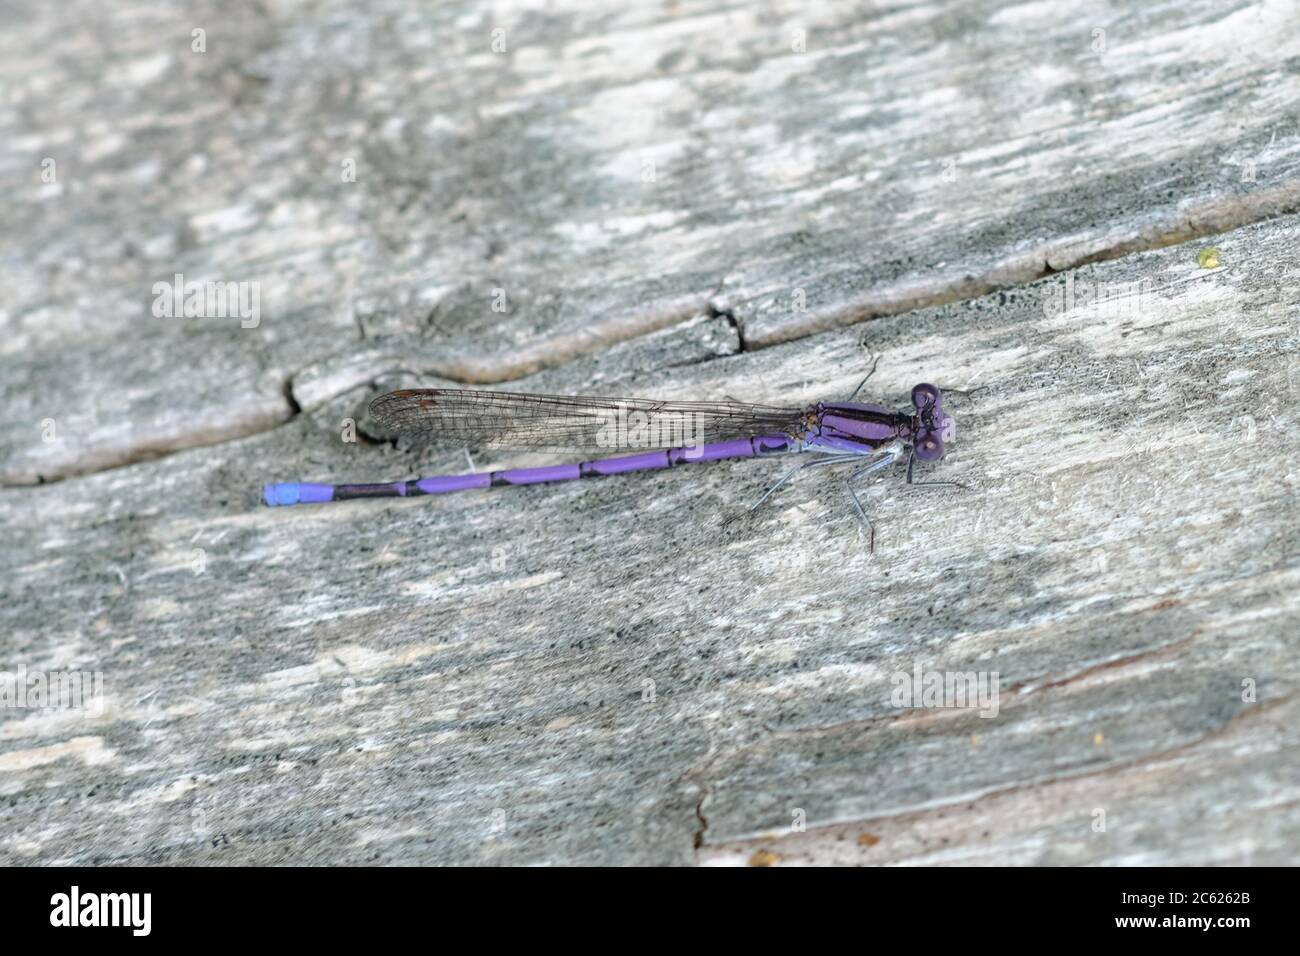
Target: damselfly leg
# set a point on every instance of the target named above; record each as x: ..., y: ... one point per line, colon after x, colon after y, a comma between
x: 833, y: 459
x: 874, y: 363
x: 911, y: 463
x: 872, y: 466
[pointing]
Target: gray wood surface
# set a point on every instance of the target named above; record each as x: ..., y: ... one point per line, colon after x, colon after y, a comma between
x: 611, y: 671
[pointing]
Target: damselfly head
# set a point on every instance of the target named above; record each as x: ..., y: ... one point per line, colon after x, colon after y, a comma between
x: 931, y: 425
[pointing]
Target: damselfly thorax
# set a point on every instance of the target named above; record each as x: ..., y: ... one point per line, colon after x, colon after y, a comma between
x: 858, y: 428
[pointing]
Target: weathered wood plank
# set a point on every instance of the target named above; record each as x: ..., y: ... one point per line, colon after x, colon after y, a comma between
x: 466, y: 678
x: 616, y: 169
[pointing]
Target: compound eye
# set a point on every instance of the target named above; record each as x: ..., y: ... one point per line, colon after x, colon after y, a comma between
x: 929, y: 448
x: 925, y: 396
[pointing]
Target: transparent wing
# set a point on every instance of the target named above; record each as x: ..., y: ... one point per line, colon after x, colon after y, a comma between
x: 563, y: 422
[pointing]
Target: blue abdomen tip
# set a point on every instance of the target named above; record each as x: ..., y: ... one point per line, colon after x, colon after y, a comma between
x: 297, y: 492
x: 281, y: 494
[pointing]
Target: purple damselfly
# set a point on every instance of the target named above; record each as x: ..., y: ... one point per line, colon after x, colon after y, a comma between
x: 677, y: 433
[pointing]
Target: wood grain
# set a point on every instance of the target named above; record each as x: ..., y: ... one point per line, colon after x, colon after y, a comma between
x: 671, y: 200
x: 613, y: 170
x: 607, y: 672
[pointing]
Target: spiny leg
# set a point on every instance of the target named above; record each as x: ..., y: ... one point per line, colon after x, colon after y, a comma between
x: 787, y: 476
x: 832, y: 460
x: 911, y: 463
x: 875, y: 464
x: 854, y: 394
x: 862, y: 517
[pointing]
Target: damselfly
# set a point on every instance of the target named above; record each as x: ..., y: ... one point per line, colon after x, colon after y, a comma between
x: 672, y: 433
